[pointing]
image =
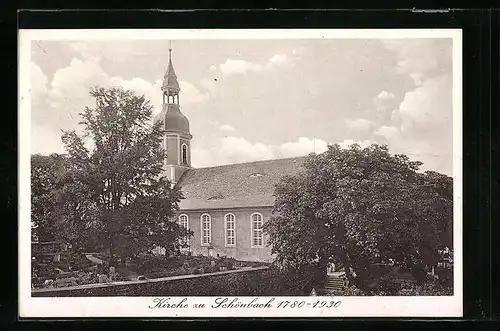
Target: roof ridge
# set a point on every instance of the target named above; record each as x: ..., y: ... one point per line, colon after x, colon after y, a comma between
x: 252, y: 162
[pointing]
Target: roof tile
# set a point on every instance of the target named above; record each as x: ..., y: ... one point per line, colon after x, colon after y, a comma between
x: 235, y: 185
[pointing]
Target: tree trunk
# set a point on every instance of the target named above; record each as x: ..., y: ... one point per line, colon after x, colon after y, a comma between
x: 111, y: 236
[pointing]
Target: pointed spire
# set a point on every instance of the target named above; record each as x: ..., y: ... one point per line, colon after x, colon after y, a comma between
x: 170, y: 68
x: 170, y: 78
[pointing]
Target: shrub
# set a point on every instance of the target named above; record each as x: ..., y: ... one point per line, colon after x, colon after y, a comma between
x: 273, y: 282
x: 430, y: 288
x: 445, y: 276
x: 350, y: 291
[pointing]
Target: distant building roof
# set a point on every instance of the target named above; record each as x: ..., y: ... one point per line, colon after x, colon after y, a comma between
x: 235, y: 185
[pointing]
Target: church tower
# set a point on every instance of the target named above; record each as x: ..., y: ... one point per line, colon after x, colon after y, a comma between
x: 177, y: 138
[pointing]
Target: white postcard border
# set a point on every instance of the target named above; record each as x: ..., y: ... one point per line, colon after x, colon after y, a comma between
x: 446, y: 306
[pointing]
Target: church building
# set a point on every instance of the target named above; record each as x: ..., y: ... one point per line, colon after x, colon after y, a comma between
x: 225, y: 206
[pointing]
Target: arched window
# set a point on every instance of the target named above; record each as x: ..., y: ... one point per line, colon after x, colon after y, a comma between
x: 230, y: 226
x: 184, y: 154
x: 184, y: 222
x: 257, y: 235
x: 206, y: 229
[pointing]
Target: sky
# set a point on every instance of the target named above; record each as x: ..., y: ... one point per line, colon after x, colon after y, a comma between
x: 250, y: 100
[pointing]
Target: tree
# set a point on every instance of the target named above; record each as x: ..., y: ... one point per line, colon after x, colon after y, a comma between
x: 114, y: 191
x: 45, y: 172
x: 359, y: 208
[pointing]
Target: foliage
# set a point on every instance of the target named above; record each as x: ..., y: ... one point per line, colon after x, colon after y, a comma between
x: 428, y: 288
x: 351, y: 291
x: 45, y: 171
x: 111, y: 193
x: 358, y: 208
x: 276, y: 281
x: 249, y: 283
x: 159, y: 266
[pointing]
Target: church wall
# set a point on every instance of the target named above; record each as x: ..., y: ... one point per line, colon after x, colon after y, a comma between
x: 243, y: 249
x: 172, y: 149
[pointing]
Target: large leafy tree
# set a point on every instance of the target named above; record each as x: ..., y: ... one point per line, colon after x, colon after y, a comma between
x: 112, y: 192
x: 45, y: 173
x: 359, y: 208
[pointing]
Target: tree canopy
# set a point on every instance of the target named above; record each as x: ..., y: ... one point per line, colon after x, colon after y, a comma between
x: 361, y: 207
x: 111, y: 192
x: 45, y: 172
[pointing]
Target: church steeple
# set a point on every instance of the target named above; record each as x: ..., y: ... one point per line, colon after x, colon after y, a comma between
x: 177, y: 137
x: 170, y: 83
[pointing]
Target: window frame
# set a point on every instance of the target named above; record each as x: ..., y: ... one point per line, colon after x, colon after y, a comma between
x: 182, y: 154
x: 187, y: 221
x: 252, y: 237
x: 209, y: 229
x: 186, y: 239
x: 225, y: 230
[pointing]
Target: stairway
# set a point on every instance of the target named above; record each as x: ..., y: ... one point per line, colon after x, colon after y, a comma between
x: 334, y: 283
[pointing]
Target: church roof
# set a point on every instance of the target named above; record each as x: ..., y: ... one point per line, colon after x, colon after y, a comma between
x: 173, y: 119
x: 235, y: 185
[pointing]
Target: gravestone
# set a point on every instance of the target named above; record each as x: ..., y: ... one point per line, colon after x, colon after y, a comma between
x: 103, y: 279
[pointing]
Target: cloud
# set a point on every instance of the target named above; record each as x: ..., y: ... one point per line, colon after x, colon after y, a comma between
x: 359, y: 124
x: 421, y: 126
x: 428, y: 104
x: 38, y: 81
x: 115, y: 51
x: 239, y: 66
x: 240, y: 149
x: 384, y: 95
x: 280, y: 60
x: 421, y: 58
x: 227, y: 128
x: 234, y: 149
x: 385, y: 100
x: 231, y: 67
x: 72, y: 83
x: 209, y: 85
x: 387, y: 132
x: 67, y: 95
x: 302, y: 146
x: 45, y: 140
x: 191, y: 94
x: 228, y: 150
x: 348, y: 142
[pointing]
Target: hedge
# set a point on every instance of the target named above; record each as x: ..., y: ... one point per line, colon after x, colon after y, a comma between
x: 240, y: 283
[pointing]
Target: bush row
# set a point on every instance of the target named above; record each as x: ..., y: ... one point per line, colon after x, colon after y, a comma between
x: 235, y: 284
